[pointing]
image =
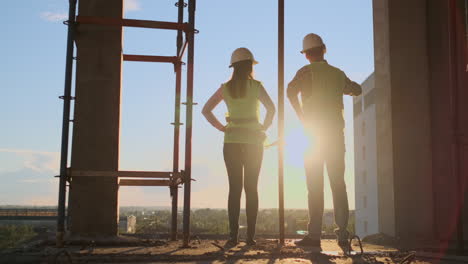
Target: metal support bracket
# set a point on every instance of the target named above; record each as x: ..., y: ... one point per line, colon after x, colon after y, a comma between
x: 177, y: 4
x: 63, y: 97
x: 177, y: 63
x: 184, y: 177
x: 67, y: 23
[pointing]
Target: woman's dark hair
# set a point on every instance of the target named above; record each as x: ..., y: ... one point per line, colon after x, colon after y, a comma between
x: 238, y: 84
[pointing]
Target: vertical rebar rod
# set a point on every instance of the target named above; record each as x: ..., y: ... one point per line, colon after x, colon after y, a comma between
x: 175, y: 158
x: 281, y: 118
x: 188, y: 123
x: 66, y: 124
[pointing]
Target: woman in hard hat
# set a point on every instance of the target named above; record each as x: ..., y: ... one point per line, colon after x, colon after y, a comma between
x: 243, y: 137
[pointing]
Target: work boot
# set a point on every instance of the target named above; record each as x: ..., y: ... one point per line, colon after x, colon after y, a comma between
x: 250, y: 242
x: 232, y: 242
x: 345, y: 246
x: 343, y: 243
x: 342, y: 239
x: 308, y: 242
x: 342, y: 236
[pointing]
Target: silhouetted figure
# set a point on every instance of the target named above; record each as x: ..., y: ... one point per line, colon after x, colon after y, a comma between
x: 321, y: 112
x: 243, y: 138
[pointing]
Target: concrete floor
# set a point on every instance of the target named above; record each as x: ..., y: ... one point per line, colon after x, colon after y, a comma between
x: 208, y: 251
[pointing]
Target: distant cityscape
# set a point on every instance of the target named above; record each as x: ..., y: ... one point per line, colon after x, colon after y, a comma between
x: 156, y: 220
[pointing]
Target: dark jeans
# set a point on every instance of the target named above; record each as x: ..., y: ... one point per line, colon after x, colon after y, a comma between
x: 243, y: 163
x: 328, y: 149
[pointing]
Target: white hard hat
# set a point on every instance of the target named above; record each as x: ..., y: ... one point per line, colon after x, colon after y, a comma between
x: 242, y: 54
x: 311, y: 41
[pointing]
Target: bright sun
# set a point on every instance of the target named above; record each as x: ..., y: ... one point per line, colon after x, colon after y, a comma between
x: 296, y: 146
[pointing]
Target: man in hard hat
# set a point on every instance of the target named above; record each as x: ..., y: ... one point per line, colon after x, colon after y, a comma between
x: 321, y: 111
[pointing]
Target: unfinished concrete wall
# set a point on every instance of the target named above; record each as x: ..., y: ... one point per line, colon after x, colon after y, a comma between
x: 384, y: 134
x: 403, y: 113
x: 421, y: 77
x: 365, y: 158
x: 93, y: 204
x: 411, y: 125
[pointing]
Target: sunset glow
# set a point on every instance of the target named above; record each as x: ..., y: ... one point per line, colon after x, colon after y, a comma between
x: 296, y: 145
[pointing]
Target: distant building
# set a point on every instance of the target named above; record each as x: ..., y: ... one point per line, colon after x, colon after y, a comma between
x: 365, y: 157
x: 127, y: 224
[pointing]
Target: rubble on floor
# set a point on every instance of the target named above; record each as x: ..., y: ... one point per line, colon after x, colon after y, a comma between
x: 267, y: 251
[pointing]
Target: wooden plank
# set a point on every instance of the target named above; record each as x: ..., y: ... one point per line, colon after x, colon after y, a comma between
x: 133, y: 182
x: 126, y: 174
x: 148, y: 58
x: 111, y: 21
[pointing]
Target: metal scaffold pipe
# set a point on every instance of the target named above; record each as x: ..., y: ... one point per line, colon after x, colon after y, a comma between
x: 66, y: 123
x: 175, y: 158
x: 180, y: 20
x: 188, y: 127
x: 281, y: 118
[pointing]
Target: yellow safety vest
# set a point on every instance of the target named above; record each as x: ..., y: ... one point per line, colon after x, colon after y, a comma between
x: 243, y: 115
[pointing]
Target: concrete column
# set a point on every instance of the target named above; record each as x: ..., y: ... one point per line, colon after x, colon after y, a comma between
x: 404, y: 127
x: 94, y: 200
x: 384, y: 135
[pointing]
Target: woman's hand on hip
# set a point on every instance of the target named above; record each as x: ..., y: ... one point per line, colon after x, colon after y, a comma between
x: 222, y: 129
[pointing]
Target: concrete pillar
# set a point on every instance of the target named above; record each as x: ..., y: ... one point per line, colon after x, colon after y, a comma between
x: 403, y: 119
x: 93, y: 201
x: 384, y: 133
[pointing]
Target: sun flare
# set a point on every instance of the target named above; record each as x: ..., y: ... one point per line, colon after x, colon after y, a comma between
x: 296, y: 146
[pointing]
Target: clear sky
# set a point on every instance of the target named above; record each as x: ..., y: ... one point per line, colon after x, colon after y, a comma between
x: 32, y: 48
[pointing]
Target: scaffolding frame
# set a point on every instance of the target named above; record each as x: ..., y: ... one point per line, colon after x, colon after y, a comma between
x: 172, y: 179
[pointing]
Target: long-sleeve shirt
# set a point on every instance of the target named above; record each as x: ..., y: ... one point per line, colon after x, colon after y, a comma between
x: 321, y: 87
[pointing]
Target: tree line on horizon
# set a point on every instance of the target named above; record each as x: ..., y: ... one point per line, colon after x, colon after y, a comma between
x: 215, y: 221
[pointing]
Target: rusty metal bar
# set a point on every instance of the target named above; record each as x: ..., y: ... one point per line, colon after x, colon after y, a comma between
x: 175, y: 157
x: 123, y: 174
x: 118, y: 22
x: 132, y: 182
x: 66, y: 123
x: 188, y: 127
x: 148, y: 58
x: 281, y: 118
x: 180, y: 20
